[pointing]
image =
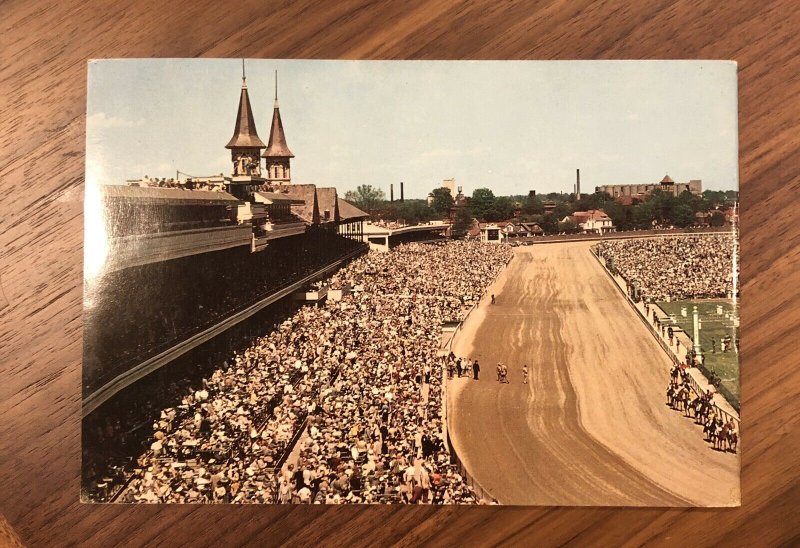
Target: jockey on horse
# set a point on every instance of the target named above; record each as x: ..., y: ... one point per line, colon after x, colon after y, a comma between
x: 730, y: 434
x: 683, y: 398
x: 710, y: 427
x: 674, y: 373
x: 671, y: 393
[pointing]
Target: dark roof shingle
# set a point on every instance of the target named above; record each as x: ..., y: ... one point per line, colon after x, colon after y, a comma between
x: 244, y: 134
x: 309, y: 209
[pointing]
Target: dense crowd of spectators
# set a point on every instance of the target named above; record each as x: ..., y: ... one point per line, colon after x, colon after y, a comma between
x: 357, y: 380
x: 676, y: 267
x: 386, y: 224
x: 188, y: 184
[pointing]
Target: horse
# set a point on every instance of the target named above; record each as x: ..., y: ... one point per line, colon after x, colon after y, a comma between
x: 730, y: 436
x: 721, y: 438
x: 710, y: 429
x: 702, y: 411
x: 683, y: 400
x: 671, y: 393
x: 733, y: 440
x: 718, y: 435
x: 694, y: 405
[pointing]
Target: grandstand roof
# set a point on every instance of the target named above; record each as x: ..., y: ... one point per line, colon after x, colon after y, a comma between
x: 272, y: 197
x: 244, y: 134
x: 149, y: 194
x: 348, y: 211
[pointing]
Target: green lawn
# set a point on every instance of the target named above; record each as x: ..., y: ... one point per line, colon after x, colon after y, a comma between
x: 716, y: 326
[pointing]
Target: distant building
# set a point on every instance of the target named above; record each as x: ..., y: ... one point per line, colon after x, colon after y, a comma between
x: 594, y: 221
x: 493, y: 233
x: 451, y: 185
x: 516, y: 229
x: 641, y: 191
x: 702, y: 218
x: 524, y: 230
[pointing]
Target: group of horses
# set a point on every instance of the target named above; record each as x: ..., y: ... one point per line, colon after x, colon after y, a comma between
x: 722, y: 435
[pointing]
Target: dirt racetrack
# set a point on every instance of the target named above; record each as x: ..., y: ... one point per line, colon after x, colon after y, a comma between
x: 592, y: 426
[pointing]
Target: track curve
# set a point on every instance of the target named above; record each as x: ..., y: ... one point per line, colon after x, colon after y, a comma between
x: 591, y: 427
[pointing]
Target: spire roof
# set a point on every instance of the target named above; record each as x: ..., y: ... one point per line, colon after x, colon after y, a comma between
x: 277, y: 146
x: 667, y: 180
x: 244, y: 134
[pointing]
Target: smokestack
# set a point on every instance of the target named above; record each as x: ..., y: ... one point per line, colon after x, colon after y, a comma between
x: 401, y: 191
x: 391, y: 192
x: 578, y: 186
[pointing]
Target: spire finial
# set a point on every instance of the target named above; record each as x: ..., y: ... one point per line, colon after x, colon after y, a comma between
x: 276, y: 88
x: 244, y: 78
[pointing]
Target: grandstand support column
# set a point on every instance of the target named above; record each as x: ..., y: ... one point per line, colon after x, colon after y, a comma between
x: 696, y: 331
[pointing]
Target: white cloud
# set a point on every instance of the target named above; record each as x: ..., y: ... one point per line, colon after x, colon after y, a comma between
x: 100, y: 120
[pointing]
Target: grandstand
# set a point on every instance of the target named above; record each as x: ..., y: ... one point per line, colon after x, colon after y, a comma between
x: 174, y: 267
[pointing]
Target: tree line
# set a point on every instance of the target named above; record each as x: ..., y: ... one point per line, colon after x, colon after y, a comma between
x: 657, y: 210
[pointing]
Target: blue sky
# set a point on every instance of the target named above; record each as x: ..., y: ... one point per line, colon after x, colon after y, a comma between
x: 511, y: 126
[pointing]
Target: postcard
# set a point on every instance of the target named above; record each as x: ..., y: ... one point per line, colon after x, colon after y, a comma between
x: 411, y: 282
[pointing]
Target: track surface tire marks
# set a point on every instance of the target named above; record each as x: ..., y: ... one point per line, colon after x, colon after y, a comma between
x: 591, y: 427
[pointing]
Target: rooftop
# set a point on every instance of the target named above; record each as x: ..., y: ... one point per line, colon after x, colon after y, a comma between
x: 348, y: 211
x: 307, y: 194
x: 149, y: 194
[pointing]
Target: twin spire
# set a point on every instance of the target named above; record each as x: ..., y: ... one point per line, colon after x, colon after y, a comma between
x: 245, y: 135
x: 277, y: 147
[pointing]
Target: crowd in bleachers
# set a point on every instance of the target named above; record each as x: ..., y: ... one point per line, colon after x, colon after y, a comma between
x: 359, y: 381
x: 188, y: 184
x: 675, y: 267
x: 386, y: 224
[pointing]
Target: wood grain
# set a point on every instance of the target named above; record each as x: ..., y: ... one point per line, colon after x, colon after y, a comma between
x: 45, y: 46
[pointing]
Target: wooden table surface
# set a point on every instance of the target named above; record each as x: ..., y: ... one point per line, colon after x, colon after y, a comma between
x: 44, y: 48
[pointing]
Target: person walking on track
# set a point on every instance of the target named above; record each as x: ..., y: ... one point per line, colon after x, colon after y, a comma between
x: 475, y: 370
x: 524, y: 374
x: 504, y: 373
